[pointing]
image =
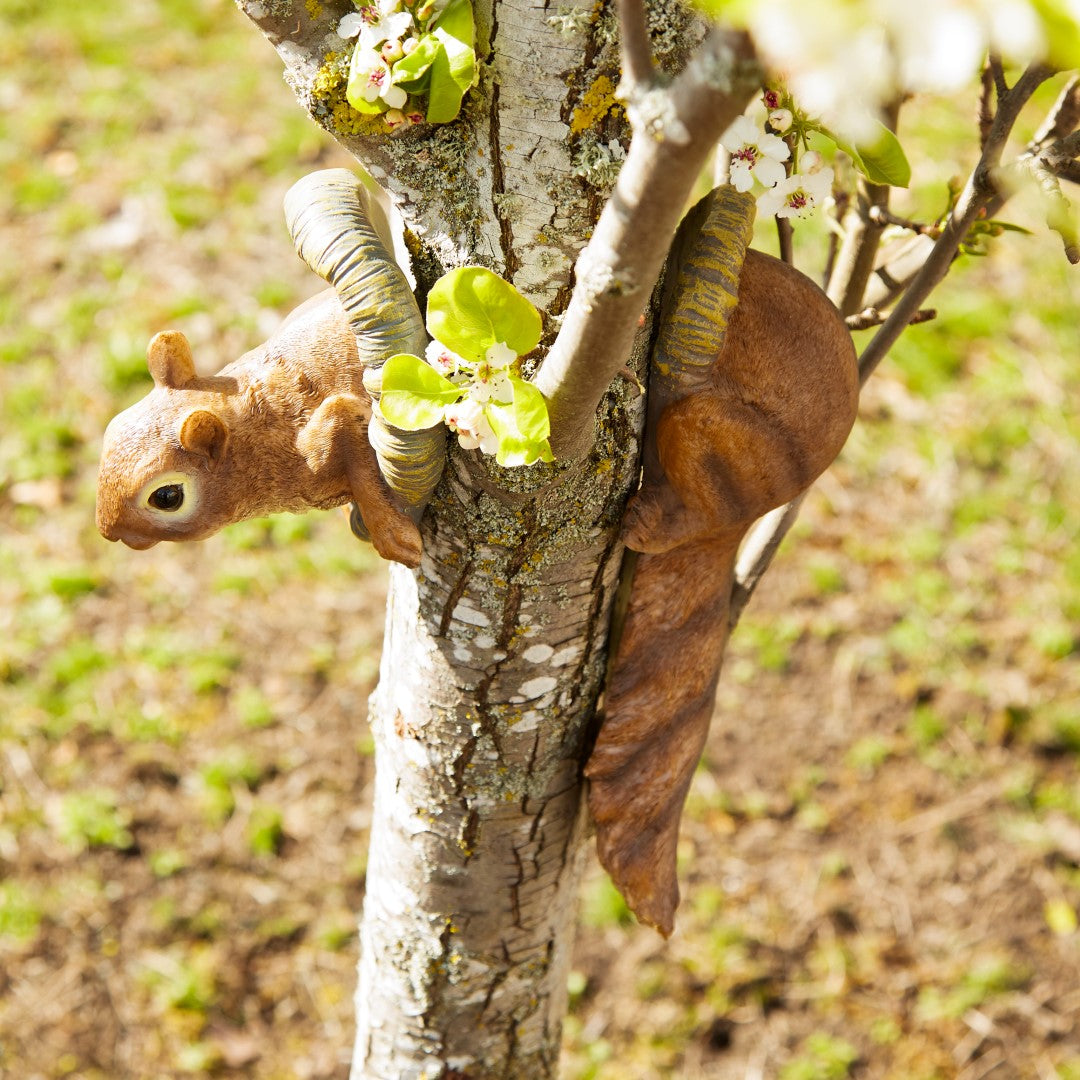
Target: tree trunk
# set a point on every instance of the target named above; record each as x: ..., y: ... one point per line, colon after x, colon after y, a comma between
x: 494, y: 653
x: 495, y: 650
x: 493, y: 659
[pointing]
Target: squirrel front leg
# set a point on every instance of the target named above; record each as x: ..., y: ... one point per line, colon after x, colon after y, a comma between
x: 336, y: 437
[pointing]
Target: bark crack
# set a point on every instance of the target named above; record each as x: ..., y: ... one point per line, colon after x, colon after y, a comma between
x: 457, y: 591
x: 511, y: 262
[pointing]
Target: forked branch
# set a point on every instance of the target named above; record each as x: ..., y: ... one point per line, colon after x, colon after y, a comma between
x: 675, y: 125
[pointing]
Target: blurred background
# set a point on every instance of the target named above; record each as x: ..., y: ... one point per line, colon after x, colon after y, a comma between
x: 880, y: 855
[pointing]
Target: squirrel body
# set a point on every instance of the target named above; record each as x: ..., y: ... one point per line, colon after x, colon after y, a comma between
x: 733, y: 432
x: 282, y: 428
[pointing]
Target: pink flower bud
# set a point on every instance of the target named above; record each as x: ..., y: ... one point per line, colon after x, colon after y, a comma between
x: 393, y: 118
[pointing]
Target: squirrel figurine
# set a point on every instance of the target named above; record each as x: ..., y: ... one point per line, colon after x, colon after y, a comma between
x: 740, y: 421
x: 283, y: 428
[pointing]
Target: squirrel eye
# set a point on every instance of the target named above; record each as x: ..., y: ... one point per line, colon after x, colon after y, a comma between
x: 169, y: 497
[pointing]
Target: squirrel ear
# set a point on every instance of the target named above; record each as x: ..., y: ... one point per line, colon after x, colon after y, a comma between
x: 204, y: 432
x: 169, y: 358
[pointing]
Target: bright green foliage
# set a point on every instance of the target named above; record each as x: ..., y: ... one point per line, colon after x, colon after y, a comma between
x: 471, y: 309
x: 483, y: 325
x: 440, y: 66
x: 881, y: 161
x: 824, y: 1058
x: 93, y: 819
x: 522, y: 426
x: 265, y: 832
x: 454, y: 66
x: 414, y: 393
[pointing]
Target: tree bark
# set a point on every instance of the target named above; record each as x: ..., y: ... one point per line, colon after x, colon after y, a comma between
x: 495, y: 650
x: 494, y: 653
x: 493, y: 659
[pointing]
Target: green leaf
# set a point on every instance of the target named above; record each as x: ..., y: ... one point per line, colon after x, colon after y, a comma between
x: 1062, y: 31
x: 453, y: 69
x: 882, y: 162
x: 412, y: 72
x: 414, y: 394
x: 470, y: 309
x: 358, y: 77
x: 521, y: 426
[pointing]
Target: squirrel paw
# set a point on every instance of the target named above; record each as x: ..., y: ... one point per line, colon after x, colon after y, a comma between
x: 398, y: 539
x: 647, y: 524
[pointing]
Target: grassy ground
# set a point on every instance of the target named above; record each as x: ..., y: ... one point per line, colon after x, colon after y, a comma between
x: 881, y: 857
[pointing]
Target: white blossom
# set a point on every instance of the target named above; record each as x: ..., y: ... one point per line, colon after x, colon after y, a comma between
x: 500, y: 355
x: 844, y: 60
x: 796, y: 195
x: 755, y: 155
x: 780, y: 119
x: 466, y: 417
x: 490, y: 384
x: 378, y: 80
x: 443, y: 360
x: 374, y: 25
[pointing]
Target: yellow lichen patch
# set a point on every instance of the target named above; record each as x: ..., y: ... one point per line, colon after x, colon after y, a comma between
x: 597, y: 102
x: 328, y: 87
x: 314, y: 8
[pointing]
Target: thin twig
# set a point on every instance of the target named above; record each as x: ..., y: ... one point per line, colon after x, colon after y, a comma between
x: 986, y: 106
x: 836, y: 233
x: 998, y: 72
x: 881, y: 216
x: 784, y: 236
x: 863, y: 230
x: 1064, y: 116
x: 634, y: 44
x: 977, y: 193
x: 758, y: 552
x: 870, y: 317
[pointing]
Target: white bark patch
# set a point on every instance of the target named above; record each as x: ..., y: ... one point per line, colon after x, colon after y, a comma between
x: 565, y: 656
x: 534, y: 688
x: 415, y: 752
x: 465, y: 614
x: 530, y: 721
x: 484, y: 641
x: 537, y: 654
x: 462, y: 655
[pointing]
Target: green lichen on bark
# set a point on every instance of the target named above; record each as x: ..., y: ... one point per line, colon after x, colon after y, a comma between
x: 331, y: 107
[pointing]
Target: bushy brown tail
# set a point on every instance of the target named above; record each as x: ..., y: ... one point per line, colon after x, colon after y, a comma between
x: 657, y: 710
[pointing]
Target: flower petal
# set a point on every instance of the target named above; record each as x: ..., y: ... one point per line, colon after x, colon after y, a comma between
x: 742, y: 179
x: 394, y: 96
x: 351, y: 25
x: 767, y: 172
x: 500, y: 355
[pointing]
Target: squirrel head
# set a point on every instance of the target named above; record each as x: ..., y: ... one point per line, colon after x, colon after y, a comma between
x: 159, y: 459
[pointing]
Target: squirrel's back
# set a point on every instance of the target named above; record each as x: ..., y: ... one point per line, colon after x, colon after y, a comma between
x: 732, y: 436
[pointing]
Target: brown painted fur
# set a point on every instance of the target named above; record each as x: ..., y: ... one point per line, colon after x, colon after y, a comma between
x: 782, y: 398
x: 283, y: 428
